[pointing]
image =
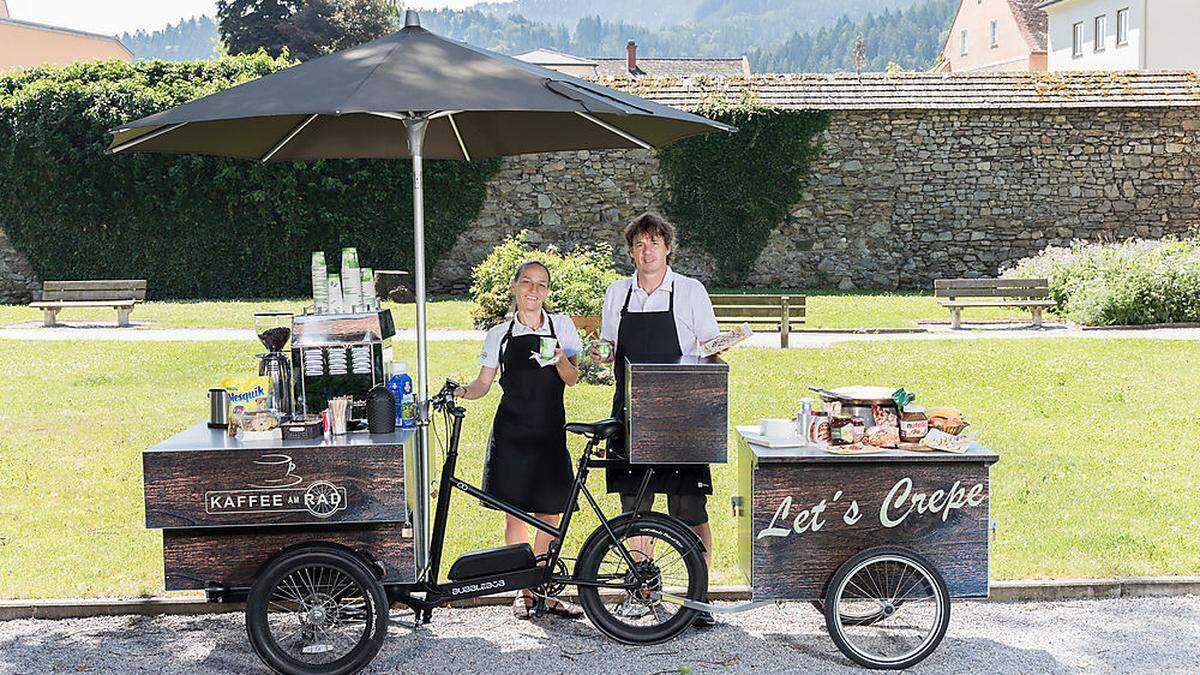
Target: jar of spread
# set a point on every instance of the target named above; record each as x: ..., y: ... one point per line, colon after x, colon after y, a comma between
x: 914, y: 424
x: 819, y: 432
x: 841, y: 430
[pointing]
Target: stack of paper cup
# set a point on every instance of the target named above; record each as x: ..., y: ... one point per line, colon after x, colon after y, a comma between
x: 369, y: 300
x: 351, y: 279
x: 320, y: 283
x: 335, y: 293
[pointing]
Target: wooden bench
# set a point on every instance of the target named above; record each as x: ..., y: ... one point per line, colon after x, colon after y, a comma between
x: 779, y: 312
x: 120, y: 294
x: 955, y: 294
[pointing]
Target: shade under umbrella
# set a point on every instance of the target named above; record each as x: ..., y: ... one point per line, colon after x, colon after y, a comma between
x: 410, y: 94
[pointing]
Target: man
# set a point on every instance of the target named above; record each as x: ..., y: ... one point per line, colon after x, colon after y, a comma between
x: 658, y: 313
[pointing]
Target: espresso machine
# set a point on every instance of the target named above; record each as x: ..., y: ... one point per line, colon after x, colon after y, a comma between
x: 273, y: 330
x: 340, y: 355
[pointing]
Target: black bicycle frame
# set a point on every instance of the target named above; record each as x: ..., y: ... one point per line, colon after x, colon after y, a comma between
x: 437, y: 592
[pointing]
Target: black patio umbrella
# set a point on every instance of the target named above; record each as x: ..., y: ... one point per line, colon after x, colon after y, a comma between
x: 417, y: 95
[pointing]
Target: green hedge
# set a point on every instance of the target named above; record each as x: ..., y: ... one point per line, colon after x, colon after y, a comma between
x: 197, y: 227
x: 1136, y: 282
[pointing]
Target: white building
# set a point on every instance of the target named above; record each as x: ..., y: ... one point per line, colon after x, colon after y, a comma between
x: 1123, y: 34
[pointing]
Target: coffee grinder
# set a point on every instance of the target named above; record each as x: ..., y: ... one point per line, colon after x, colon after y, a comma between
x: 274, y: 329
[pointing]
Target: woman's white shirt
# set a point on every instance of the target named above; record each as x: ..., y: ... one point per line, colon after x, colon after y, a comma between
x: 564, y: 330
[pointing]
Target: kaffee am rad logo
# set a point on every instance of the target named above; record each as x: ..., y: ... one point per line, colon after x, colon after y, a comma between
x: 276, y: 493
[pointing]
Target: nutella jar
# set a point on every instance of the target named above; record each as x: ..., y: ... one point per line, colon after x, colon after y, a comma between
x: 841, y: 430
x: 914, y: 424
x: 819, y: 431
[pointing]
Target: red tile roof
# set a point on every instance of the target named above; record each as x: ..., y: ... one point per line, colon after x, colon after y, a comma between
x: 1032, y: 22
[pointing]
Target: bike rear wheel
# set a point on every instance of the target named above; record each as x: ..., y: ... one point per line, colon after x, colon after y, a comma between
x: 666, y: 556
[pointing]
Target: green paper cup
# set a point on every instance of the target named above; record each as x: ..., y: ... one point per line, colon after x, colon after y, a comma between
x: 549, y: 344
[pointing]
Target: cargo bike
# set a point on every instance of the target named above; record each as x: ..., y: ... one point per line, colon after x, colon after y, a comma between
x: 317, y: 544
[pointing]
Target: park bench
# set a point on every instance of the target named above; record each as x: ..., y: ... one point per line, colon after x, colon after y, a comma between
x: 955, y: 294
x: 120, y: 294
x: 778, y: 312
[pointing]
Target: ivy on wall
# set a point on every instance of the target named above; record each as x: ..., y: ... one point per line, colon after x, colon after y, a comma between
x: 727, y: 192
x: 193, y: 226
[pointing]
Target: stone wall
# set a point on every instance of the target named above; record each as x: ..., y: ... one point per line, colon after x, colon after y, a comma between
x: 897, y: 198
x: 18, y: 283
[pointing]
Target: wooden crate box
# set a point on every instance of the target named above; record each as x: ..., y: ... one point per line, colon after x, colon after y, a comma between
x: 677, y: 410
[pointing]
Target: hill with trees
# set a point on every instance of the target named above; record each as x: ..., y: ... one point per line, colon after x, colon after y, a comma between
x: 194, y: 38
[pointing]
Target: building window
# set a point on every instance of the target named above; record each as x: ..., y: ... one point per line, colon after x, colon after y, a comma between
x: 1099, y: 30
x: 1077, y: 40
x: 992, y: 32
x: 1123, y: 26
x: 962, y: 43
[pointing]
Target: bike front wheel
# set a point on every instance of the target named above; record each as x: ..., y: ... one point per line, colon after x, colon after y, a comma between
x: 664, y: 556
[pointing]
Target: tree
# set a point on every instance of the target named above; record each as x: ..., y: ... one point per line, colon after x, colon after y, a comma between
x: 249, y: 25
x: 324, y: 26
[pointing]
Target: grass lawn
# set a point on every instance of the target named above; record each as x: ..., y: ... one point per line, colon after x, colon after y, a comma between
x: 825, y: 309
x: 1098, y: 476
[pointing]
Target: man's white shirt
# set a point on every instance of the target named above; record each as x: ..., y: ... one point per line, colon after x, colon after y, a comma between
x: 695, y: 321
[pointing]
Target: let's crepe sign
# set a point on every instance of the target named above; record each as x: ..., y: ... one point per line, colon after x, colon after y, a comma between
x: 805, y: 520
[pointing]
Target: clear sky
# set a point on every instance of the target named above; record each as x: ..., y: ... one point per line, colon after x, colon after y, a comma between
x: 112, y: 17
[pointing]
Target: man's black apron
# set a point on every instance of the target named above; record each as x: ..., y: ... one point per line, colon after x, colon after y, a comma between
x: 644, y: 335
x: 527, y: 462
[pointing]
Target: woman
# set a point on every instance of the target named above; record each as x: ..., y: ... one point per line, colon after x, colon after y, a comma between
x: 527, y: 463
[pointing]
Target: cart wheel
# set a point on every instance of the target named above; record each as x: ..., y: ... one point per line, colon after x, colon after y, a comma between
x: 666, y: 556
x: 881, y: 580
x: 314, y: 610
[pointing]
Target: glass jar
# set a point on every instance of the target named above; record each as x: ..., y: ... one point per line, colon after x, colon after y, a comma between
x: 914, y: 424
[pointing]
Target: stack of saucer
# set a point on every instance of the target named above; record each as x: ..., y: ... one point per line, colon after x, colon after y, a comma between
x: 337, y: 361
x: 360, y: 359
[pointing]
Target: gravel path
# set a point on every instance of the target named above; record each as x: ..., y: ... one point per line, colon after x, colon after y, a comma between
x: 1102, y: 636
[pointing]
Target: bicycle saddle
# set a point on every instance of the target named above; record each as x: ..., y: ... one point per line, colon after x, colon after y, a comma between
x: 602, y: 430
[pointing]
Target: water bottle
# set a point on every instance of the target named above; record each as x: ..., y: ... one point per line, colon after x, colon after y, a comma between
x: 394, y: 385
x: 401, y: 386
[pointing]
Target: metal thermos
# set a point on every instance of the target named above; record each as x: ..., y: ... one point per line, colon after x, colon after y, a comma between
x: 218, y: 408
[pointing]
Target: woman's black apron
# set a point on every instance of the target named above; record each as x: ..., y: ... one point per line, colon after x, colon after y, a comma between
x: 527, y: 463
x: 649, y: 335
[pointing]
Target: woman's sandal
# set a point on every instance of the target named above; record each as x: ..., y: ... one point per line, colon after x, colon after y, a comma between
x: 563, y: 608
x: 522, y: 605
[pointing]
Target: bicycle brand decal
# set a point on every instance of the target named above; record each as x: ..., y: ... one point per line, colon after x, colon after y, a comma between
x: 900, y: 504
x: 278, y: 494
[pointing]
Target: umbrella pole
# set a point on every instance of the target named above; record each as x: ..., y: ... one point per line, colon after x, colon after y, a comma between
x: 416, y: 141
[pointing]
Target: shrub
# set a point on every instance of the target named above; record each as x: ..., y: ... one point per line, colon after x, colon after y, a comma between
x: 193, y: 226
x: 1136, y: 282
x: 577, y: 279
